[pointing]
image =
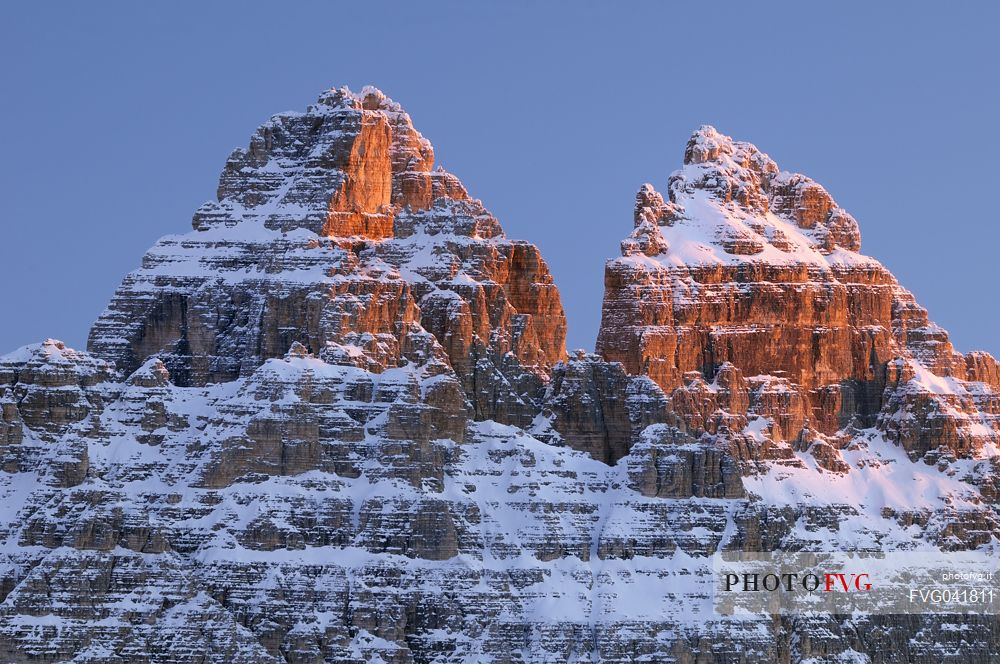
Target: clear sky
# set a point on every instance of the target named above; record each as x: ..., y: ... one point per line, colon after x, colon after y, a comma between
x: 118, y: 116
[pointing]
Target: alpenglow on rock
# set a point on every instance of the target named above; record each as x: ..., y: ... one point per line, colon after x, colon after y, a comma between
x: 750, y: 279
x: 334, y: 230
x: 336, y: 422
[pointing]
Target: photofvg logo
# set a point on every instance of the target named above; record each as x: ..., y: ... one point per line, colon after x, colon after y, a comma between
x: 809, y: 582
x: 847, y: 582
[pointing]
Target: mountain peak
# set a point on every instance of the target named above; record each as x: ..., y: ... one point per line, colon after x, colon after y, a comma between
x: 744, y: 265
x: 333, y: 235
x: 370, y: 98
x: 336, y: 422
x: 730, y: 202
x: 707, y: 144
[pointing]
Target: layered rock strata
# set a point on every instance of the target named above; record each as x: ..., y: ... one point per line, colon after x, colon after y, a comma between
x: 336, y: 423
x: 742, y: 265
x: 334, y: 230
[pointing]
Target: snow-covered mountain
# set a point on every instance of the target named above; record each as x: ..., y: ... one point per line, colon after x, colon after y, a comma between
x: 336, y: 422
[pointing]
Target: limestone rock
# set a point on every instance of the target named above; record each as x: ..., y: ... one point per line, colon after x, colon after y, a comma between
x: 333, y: 230
x: 668, y: 464
x: 336, y: 423
x: 763, y: 274
x: 53, y: 386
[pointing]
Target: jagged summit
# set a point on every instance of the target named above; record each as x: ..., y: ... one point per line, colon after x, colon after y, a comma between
x: 336, y: 422
x: 730, y: 203
x: 333, y: 230
x: 369, y: 98
x: 707, y: 144
x: 756, y: 269
x: 343, y: 168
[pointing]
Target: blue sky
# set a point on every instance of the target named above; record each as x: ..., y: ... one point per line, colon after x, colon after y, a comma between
x: 118, y: 117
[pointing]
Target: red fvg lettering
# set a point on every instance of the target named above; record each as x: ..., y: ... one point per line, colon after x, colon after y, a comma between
x: 846, y: 581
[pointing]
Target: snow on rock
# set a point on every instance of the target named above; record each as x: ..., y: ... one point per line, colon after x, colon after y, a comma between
x: 334, y: 230
x: 336, y: 422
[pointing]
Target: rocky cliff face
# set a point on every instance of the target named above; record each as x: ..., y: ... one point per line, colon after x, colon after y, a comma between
x: 334, y: 230
x: 745, y: 267
x: 336, y: 422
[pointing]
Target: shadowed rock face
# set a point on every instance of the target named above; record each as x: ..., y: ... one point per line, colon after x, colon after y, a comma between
x: 336, y: 423
x: 333, y: 230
